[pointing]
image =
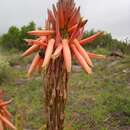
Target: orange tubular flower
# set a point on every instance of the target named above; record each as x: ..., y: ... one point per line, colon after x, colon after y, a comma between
x: 62, y: 37
x: 5, y: 115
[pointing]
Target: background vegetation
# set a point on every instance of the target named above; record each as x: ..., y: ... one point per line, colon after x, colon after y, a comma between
x: 14, y: 38
x: 108, y: 42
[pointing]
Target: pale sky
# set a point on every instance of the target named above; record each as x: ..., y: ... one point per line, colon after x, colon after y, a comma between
x: 108, y: 15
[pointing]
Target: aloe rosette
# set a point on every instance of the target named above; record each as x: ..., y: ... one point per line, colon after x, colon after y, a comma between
x: 55, y: 47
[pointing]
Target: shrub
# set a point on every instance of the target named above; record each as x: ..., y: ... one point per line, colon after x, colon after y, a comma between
x: 14, y: 38
x: 108, y: 42
x: 5, y: 70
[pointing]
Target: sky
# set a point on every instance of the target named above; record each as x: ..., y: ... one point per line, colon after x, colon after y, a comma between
x: 109, y: 15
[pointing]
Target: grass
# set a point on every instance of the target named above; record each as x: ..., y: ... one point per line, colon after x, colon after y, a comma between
x: 97, y: 102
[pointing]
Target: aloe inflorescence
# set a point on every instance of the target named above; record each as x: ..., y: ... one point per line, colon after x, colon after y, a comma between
x: 62, y: 36
x: 5, y: 115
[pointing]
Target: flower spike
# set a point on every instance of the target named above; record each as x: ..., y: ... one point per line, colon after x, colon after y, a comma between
x: 64, y: 29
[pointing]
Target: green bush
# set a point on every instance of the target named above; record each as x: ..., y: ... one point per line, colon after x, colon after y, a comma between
x: 108, y: 42
x: 14, y: 38
x: 5, y: 70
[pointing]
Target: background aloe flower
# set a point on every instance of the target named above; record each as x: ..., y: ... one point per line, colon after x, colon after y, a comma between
x: 5, y: 115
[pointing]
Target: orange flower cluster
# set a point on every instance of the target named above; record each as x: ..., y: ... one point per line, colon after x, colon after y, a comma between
x: 62, y: 36
x: 5, y: 115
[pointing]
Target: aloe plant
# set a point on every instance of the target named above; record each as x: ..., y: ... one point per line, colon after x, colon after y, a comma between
x: 56, y: 45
